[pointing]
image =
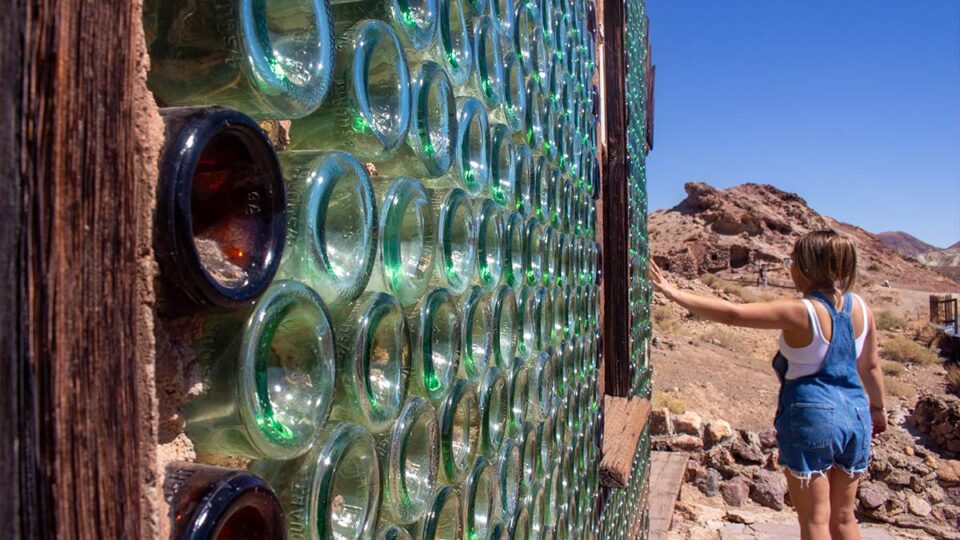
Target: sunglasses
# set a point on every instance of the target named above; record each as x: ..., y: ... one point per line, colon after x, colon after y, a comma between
x: 788, y: 262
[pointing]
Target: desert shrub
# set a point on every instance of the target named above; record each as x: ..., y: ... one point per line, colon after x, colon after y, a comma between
x: 888, y: 320
x: 710, y: 279
x: 900, y: 389
x: 741, y: 292
x: 953, y: 376
x: 670, y: 401
x: 724, y: 337
x: 729, y: 287
x: 874, y: 267
x: 891, y: 368
x: 903, y: 350
x: 664, y: 319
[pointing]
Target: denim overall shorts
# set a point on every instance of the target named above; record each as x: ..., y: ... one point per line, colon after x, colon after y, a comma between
x: 823, y: 420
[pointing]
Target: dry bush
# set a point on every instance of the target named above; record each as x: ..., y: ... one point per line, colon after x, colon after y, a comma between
x: 953, y: 376
x: 664, y: 319
x: 903, y: 350
x: 768, y: 296
x: 888, y: 320
x: 709, y: 279
x: 900, y: 389
x: 729, y: 287
x: 741, y: 292
x: 670, y: 401
x: 891, y: 368
x: 724, y: 337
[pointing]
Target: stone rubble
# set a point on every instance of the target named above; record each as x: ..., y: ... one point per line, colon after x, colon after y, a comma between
x: 907, y: 485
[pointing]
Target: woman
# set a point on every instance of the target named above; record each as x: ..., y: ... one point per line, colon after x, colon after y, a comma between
x: 831, y: 394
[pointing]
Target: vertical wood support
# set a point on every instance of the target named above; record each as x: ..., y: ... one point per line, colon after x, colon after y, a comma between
x: 11, y: 329
x: 74, y: 448
x: 614, y: 193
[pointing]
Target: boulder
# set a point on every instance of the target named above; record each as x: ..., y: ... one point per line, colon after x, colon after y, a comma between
x: 689, y: 423
x: 678, y: 443
x: 898, y: 477
x: 935, y: 494
x: 872, y: 495
x: 720, y: 458
x: 661, y: 422
x: 947, y: 513
x: 918, y: 506
x: 768, y: 489
x: 735, y: 491
x: 746, y: 447
x: 948, y: 473
x: 708, y: 482
x: 768, y: 438
x: 716, y: 432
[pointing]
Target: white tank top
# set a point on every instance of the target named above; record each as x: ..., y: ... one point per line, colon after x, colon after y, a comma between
x: 807, y: 360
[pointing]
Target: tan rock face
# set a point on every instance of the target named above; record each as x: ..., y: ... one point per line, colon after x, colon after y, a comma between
x: 689, y: 423
x: 949, y: 473
x: 733, y: 231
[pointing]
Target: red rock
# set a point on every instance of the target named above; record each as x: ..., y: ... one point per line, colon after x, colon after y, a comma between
x: 684, y: 443
x: 948, y: 474
x: 735, y: 491
x: 872, y: 495
x: 661, y: 422
x: 768, y: 489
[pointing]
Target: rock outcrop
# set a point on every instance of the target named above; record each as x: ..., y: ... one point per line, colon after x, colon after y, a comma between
x: 732, y: 232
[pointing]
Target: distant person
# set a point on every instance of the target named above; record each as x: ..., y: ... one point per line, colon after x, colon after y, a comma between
x: 762, y: 276
x: 831, y: 393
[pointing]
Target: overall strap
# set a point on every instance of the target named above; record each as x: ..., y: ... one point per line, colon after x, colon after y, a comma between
x: 827, y: 302
x: 847, y: 303
x: 840, y: 362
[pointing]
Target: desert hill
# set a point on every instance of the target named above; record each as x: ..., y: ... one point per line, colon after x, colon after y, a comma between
x: 905, y: 243
x: 731, y: 232
x: 946, y: 261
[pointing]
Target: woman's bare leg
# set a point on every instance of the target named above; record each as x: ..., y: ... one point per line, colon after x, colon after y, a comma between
x: 843, y: 494
x: 812, y: 501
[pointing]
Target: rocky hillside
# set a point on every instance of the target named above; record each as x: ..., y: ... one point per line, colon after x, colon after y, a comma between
x: 946, y: 261
x: 731, y: 232
x: 905, y: 243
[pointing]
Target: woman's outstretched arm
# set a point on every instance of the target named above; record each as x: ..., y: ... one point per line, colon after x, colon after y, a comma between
x: 871, y: 375
x: 786, y: 314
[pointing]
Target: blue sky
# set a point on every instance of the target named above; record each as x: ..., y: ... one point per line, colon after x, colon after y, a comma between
x: 853, y: 104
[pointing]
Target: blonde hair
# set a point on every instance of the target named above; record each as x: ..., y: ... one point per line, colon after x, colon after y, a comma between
x: 827, y: 259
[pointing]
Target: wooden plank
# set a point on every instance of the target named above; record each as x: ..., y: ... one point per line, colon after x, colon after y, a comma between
x: 666, y: 477
x: 624, y: 420
x: 11, y: 364
x: 81, y: 467
x: 614, y: 205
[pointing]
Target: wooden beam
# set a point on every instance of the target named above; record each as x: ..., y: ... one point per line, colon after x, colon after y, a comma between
x: 614, y: 205
x: 624, y: 420
x: 75, y: 381
x: 11, y: 328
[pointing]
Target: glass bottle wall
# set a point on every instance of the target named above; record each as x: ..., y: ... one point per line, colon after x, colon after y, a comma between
x: 440, y: 182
